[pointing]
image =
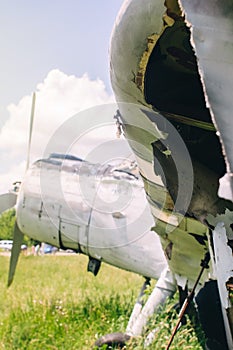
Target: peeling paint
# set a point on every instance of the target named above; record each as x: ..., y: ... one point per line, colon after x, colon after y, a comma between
x: 173, y: 12
x: 224, y: 272
x: 226, y: 219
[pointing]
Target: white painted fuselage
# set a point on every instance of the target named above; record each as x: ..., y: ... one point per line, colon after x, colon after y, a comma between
x: 96, y: 210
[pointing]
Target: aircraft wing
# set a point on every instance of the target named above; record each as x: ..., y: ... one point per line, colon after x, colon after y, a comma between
x: 7, y: 201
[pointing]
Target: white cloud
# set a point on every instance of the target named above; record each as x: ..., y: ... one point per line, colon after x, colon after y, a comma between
x: 15, y: 173
x: 58, y: 98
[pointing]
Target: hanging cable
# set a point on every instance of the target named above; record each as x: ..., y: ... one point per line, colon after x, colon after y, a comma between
x: 188, y: 300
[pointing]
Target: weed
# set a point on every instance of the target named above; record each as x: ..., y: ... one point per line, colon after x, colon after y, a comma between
x: 54, y: 304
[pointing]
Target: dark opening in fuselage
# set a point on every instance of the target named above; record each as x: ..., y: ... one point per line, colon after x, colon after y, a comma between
x: 172, y: 84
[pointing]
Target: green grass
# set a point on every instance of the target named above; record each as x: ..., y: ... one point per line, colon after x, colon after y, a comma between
x: 55, y: 304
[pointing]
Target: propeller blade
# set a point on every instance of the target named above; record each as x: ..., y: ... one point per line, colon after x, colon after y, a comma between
x: 18, y: 235
x: 7, y: 201
x: 16, y: 249
x: 30, y: 130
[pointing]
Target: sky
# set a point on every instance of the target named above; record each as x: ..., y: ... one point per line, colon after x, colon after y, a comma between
x: 58, y: 49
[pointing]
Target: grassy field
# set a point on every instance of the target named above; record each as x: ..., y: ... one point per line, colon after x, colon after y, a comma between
x: 55, y: 304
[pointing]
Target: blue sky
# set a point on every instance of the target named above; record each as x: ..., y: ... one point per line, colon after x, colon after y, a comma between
x: 59, y: 49
x: 38, y: 36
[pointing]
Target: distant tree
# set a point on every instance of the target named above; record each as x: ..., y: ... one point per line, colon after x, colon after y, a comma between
x: 7, y: 221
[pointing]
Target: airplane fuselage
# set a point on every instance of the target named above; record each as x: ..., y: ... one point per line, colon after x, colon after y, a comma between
x: 96, y: 210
